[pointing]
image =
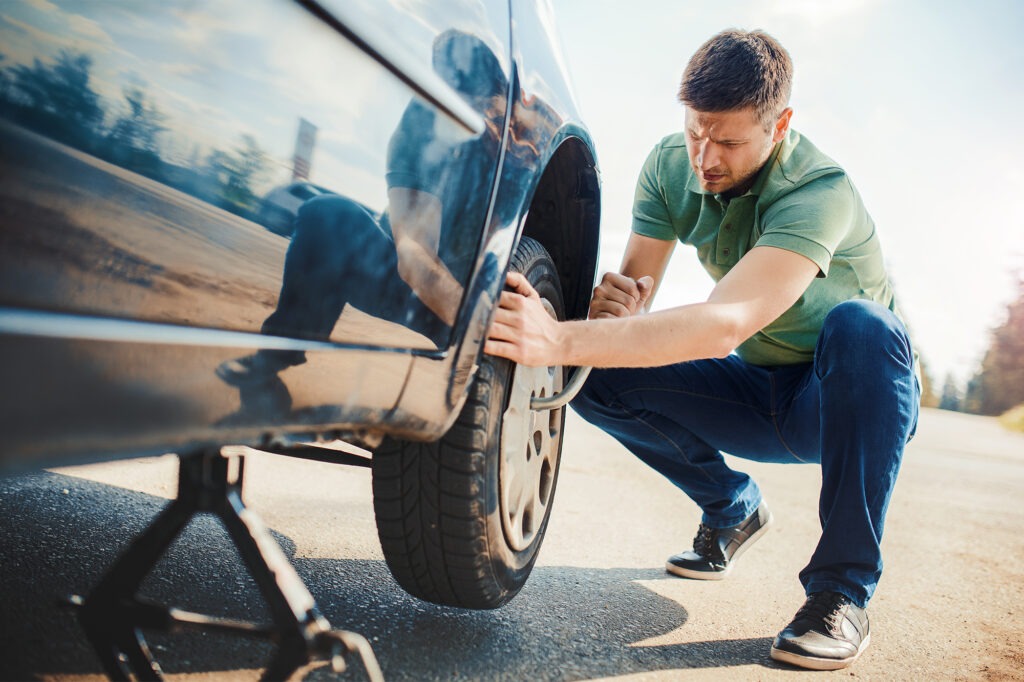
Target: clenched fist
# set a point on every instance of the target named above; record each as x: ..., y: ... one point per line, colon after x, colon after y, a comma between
x: 620, y: 296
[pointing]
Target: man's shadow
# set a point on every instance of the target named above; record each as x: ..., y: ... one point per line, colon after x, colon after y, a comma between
x: 58, y: 535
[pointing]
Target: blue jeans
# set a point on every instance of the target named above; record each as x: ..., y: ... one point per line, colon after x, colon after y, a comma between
x: 852, y: 409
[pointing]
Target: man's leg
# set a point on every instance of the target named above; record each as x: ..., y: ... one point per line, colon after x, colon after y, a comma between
x: 678, y: 419
x: 338, y: 251
x: 312, y: 288
x: 866, y: 403
x: 339, y: 254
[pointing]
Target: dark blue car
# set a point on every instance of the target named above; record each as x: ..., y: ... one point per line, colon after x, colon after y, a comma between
x: 146, y: 308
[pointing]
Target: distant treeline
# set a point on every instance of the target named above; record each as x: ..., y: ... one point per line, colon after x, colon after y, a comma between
x: 58, y: 101
x: 998, y: 385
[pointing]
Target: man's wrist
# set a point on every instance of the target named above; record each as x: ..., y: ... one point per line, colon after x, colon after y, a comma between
x: 569, y: 351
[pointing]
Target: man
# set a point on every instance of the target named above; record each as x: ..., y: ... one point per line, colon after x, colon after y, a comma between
x: 798, y: 354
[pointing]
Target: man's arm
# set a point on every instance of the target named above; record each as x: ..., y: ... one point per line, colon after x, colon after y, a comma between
x: 416, y: 227
x: 763, y: 285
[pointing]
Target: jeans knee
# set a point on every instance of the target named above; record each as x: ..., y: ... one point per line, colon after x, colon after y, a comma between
x: 859, y: 334
x: 859, y: 313
x: 329, y: 218
x: 860, y: 325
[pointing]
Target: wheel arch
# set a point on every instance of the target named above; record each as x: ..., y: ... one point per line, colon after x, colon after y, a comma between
x: 564, y: 215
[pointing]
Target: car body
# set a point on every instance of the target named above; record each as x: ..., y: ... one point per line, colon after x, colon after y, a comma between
x: 130, y: 272
x: 144, y: 307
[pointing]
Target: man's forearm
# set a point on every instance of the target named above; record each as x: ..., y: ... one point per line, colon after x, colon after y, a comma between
x: 766, y: 283
x: 427, y: 275
x: 691, y: 332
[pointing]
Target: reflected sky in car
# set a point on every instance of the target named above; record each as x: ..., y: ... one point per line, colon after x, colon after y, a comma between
x: 207, y: 100
x: 191, y: 60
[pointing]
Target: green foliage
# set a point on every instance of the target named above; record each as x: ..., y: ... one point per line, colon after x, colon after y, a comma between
x: 999, y: 384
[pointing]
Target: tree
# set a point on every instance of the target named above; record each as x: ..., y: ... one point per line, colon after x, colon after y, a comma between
x: 928, y: 396
x: 132, y: 141
x: 5, y: 82
x: 999, y: 384
x: 236, y: 173
x: 950, y: 399
x: 139, y: 128
x: 57, y: 99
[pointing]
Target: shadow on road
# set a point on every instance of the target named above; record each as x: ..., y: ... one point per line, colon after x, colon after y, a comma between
x: 58, y: 534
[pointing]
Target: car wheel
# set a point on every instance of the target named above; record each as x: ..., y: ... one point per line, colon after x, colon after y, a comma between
x: 461, y: 520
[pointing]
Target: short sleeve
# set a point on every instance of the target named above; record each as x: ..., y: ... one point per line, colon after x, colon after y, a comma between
x: 650, y: 209
x: 812, y: 220
x: 407, y: 164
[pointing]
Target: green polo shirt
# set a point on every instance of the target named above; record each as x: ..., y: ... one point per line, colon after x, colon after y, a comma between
x: 801, y: 201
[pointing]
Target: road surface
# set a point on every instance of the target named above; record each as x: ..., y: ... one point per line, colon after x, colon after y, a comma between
x: 598, y: 606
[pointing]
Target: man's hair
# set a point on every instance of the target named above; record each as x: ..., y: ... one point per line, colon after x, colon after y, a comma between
x: 737, y: 69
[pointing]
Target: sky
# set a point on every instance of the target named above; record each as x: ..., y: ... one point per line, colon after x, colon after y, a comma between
x: 920, y: 101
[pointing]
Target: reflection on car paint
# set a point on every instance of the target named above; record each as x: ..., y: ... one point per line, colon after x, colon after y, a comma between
x: 155, y: 159
x: 408, y: 264
x: 175, y: 127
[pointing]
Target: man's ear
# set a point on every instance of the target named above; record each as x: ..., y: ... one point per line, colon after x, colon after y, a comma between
x: 782, y: 125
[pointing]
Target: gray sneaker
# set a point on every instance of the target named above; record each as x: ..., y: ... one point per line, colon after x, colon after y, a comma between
x: 715, y: 550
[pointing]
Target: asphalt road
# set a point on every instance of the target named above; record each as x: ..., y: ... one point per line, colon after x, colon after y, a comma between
x: 598, y: 605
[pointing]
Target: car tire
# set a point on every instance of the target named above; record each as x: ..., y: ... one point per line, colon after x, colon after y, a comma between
x: 461, y: 520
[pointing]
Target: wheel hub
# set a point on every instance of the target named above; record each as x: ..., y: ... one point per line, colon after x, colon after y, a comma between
x: 529, y: 452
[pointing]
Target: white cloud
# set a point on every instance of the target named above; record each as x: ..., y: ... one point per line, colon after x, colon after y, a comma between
x: 43, y: 6
x: 88, y: 30
x: 35, y: 34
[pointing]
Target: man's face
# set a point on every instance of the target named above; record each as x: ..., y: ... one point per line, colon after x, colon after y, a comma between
x: 728, y: 148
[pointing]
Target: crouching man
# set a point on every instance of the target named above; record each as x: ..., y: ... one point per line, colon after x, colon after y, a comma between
x: 798, y: 355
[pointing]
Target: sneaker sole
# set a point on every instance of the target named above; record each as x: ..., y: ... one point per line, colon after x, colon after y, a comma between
x: 815, y: 663
x: 720, y: 575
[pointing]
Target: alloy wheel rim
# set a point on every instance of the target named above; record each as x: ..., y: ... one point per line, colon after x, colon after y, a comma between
x: 529, y: 452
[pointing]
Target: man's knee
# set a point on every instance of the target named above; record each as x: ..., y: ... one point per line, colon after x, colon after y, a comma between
x: 859, y: 325
x: 860, y: 313
x: 859, y: 335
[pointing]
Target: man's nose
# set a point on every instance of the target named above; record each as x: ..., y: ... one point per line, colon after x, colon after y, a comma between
x: 709, y: 157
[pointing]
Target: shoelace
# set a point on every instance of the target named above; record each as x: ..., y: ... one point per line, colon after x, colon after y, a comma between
x: 823, y: 607
x: 704, y: 544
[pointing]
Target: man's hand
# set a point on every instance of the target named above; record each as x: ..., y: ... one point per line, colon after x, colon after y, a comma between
x: 523, y: 331
x: 620, y: 296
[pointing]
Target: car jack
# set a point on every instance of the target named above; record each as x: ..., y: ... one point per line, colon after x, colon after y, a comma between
x: 113, y: 616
